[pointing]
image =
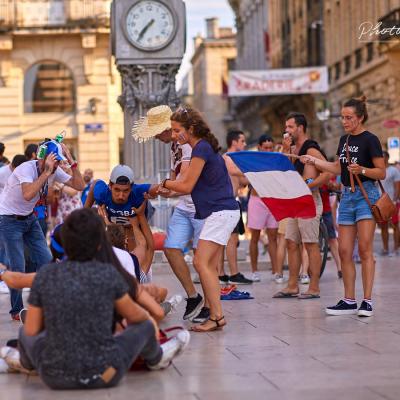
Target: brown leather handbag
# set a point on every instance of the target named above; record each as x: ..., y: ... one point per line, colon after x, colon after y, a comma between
x: 384, y: 209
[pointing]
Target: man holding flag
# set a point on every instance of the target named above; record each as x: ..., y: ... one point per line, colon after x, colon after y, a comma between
x: 291, y: 191
x: 303, y: 230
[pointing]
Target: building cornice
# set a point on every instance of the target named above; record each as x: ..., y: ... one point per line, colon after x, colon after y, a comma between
x: 213, y: 44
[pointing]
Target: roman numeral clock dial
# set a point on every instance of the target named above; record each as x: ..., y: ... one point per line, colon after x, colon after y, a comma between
x: 150, y: 25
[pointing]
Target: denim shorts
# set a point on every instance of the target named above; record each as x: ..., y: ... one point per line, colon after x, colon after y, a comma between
x: 183, y: 227
x: 353, y: 206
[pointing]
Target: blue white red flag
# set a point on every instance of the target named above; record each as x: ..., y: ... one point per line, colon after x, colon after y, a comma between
x: 278, y: 184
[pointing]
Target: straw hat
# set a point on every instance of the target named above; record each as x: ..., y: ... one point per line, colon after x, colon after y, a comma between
x: 156, y: 121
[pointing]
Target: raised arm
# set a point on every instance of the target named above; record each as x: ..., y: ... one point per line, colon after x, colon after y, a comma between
x: 31, y: 189
x: 76, y: 182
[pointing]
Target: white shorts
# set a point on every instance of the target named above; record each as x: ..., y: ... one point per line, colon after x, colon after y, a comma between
x: 219, y: 226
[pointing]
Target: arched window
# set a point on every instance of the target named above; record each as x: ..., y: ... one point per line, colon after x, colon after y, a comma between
x: 49, y: 87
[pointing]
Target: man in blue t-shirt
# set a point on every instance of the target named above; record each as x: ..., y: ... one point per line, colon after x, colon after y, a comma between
x: 120, y: 195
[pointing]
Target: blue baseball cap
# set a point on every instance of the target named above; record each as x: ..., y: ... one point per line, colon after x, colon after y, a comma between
x: 55, y: 148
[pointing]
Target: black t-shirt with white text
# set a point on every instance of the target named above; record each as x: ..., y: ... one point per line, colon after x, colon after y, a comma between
x: 362, y: 149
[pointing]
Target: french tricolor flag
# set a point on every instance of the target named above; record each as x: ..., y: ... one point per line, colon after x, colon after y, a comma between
x: 277, y: 183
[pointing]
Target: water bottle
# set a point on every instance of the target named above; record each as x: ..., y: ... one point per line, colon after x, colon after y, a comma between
x: 60, y: 137
x: 42, y: 152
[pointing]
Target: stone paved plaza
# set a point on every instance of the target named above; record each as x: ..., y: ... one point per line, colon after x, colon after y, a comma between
x: 271, y: 349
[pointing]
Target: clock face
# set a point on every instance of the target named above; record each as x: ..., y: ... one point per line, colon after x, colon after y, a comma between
x: 150, y: 25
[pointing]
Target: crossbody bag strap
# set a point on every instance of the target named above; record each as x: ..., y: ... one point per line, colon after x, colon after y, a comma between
x: 363, y: 191
x: 358, y: 178
x: 381, y: 186
x: 348, y: 162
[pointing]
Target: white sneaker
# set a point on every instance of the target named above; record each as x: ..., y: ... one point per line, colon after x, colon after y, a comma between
x: 304, y: 279
x: 4, y: 288
x: 26, y: 289
x: 255, y: 277
x: 12, y: 358
x: 175, y: 300
x: 4, y: 368
x: 188, y: 258
x: 172, y: 349
x: 279, y: 278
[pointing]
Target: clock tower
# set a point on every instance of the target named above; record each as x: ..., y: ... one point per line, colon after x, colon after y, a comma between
x: 148, y: 43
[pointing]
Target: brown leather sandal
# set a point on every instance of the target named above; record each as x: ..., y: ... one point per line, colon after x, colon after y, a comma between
x: 218, y: 325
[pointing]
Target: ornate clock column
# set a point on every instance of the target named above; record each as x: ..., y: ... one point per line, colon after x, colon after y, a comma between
x: 148, y: 42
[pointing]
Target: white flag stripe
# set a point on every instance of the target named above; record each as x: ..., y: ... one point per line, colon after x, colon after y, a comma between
x: 278, y: 184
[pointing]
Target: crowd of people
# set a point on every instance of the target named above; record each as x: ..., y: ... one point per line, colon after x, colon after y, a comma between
x: 93, y: 309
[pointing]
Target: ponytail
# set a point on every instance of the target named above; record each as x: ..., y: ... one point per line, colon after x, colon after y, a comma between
x: 210, y: 138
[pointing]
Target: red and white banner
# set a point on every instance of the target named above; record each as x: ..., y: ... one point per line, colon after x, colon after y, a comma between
x: 278, y: 81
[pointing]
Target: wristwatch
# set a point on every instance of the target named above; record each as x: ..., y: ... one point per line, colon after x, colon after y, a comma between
x: 363, y: 171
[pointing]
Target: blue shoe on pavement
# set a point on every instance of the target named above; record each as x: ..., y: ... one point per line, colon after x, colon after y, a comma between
x: 342, y: 308
x: 365, y: 310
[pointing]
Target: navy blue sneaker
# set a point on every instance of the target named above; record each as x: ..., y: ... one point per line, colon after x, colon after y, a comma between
x: 203, y: 316
x: 365, y: 310
x: 193, y: 306
x: 342, y: 308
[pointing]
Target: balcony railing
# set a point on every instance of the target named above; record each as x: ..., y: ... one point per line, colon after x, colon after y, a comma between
x: 390, y: 24
x: 15, y: 14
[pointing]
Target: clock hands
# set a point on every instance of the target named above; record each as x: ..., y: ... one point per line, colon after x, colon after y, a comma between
x: 144, y: 30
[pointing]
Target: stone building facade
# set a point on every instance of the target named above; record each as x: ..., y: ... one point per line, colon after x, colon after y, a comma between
x: 368, y: 65
x: 253, y: 53
x: 310, y: 33
x: 210, y: 64
x: 56, y: 73
x: 276, y: 34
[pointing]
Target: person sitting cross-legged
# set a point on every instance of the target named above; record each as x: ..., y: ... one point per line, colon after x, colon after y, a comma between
x: 67, y: 336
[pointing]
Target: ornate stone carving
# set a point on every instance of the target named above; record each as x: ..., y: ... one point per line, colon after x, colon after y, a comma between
x: 148, y: 85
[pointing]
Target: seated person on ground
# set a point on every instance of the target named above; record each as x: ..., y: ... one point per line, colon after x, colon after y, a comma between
x: 148, y: 296
x: 79, y: 349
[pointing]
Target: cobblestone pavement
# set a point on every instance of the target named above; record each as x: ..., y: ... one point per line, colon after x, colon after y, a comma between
x: 271, y: 349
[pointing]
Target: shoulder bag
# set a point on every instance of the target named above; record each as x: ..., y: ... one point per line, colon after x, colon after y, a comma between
x: 384, y: 209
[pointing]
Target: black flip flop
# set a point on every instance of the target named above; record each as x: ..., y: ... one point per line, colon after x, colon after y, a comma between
x: 284, y: 295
